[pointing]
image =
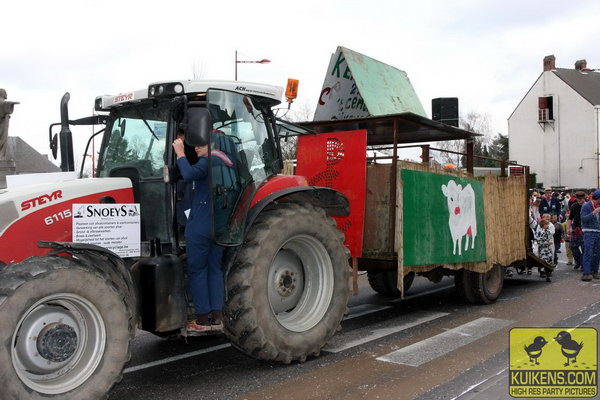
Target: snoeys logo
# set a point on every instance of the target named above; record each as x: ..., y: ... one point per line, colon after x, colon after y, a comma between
x: 553, y: 362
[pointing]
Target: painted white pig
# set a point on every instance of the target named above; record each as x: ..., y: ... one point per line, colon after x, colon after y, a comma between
x: 462, y: 219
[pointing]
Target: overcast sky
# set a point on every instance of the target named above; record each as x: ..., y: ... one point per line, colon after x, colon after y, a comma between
x: 486, y: 53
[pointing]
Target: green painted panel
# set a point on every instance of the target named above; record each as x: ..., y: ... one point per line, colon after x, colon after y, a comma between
x: 442, y: 214
x: 385, y: 89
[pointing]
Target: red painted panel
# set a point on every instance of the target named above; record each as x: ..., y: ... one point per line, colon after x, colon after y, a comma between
x: 19, y: 241
x: 339, y: 161
x: 277, y: 183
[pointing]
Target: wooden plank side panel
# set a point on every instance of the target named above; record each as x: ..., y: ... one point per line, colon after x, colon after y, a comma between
x: 398, y: 242
x: 376, y: 241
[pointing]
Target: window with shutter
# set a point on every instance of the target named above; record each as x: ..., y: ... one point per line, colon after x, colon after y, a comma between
x: 545, y: 109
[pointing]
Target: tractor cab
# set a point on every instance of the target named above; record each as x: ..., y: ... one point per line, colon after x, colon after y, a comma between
x: 237, y: 120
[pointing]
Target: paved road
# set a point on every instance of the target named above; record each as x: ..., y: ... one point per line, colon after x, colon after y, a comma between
x: 427, y: 346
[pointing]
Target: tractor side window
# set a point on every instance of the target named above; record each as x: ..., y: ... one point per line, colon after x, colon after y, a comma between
x: 137, y: 139
x: 134, y: 147
x: 237, y: 117
x: 239, y: 131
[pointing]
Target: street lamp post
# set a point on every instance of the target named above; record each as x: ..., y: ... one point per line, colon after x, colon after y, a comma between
x: 263, y: 61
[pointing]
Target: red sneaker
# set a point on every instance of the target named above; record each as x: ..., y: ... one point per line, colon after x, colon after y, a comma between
x: 194, y: 328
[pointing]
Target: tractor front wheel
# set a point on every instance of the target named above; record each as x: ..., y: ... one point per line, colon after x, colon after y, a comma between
x: 65, y: 329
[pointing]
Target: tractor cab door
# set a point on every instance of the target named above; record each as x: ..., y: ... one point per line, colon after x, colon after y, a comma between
x: 134, y: 147
x: 243, y: 155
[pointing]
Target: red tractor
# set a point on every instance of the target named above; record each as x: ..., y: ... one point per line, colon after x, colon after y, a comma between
x: 69, y: 310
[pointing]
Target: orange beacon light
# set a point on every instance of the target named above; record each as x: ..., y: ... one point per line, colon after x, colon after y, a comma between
x: 291, y: 91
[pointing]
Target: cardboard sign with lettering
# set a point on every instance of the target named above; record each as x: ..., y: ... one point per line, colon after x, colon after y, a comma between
x: 340, y: 97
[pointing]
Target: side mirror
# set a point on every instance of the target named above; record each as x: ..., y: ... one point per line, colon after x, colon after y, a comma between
x: 198, y: 126
x: 54, y: 146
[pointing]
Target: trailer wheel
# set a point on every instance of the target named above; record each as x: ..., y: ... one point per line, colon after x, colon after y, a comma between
x: 386, y: 282
x: 463, y: 283
x: 65, y: 331
x: 488, y: 286
x: 289, y: 285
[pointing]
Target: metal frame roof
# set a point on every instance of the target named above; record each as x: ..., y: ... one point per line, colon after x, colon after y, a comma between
x: 411, y: 128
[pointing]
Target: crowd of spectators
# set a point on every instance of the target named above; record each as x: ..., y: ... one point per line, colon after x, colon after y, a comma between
x: 570, y: 218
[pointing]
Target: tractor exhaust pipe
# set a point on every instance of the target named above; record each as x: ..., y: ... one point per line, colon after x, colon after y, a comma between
x: 65, y: 136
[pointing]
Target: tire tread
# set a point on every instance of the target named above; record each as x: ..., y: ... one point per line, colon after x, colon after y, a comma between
x: 13, y: 276
x: 240, y: 317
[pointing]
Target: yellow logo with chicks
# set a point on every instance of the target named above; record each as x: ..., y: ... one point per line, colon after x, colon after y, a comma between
x: 553, y: 362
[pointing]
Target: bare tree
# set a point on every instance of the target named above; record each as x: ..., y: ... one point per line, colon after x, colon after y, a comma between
x: 288, y: 148
x: 449, y: 158
x: 199, y: 69
x: 474, y: 122
x: 300, y: 112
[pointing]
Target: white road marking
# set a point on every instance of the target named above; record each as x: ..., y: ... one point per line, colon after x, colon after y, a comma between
x: 431, y: 348
x: 335, y: 344
x: 176, y: 358
x: 591, y: 317
x: 361, y: 336
x: 357, y: 311
x: 426, y: 293
x: 508, y: 298
x: 478, y: 384
x: 364, y: 309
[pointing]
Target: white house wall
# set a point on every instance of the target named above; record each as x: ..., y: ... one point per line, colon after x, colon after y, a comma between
x: 575, y: 128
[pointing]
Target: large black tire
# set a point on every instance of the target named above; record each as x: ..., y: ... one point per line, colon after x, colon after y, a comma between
x: 64, y: 310
x: 488, y: 286
x: 479, y: 288
x: 289, y: 285
x: 386, y: 282
x: 463, y: 283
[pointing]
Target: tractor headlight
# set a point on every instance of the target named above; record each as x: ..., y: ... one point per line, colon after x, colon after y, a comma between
x: 166, y: 89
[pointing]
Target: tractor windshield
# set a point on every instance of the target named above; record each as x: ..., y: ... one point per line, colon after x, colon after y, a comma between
x: 136, y: 138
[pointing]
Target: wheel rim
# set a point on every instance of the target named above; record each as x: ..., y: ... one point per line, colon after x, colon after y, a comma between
x: 58, y: 343
x: 300, y: 283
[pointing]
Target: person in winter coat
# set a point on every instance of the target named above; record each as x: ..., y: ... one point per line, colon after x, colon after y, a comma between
x: 590, y: 225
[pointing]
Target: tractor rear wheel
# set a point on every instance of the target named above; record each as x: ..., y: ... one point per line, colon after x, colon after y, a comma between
x: 386, y: 282
x: 289, y: 285
x: 65, y: 331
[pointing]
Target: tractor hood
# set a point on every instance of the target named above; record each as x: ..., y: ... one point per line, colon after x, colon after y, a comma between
x: 24, y: 200
x: 43, y: 211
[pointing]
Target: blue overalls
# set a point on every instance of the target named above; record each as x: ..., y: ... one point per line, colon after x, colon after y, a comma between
x: 203, y: 254
x: 590, y: 224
